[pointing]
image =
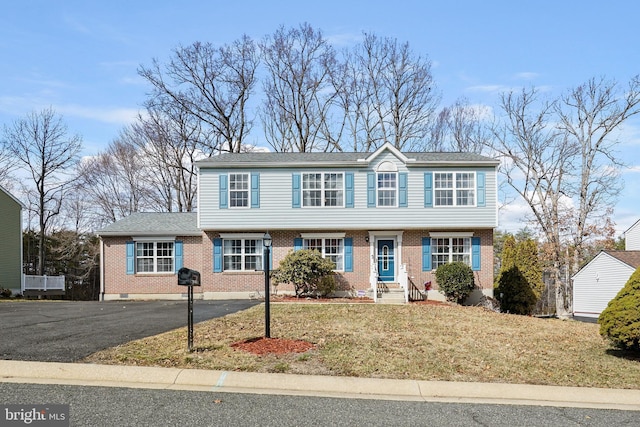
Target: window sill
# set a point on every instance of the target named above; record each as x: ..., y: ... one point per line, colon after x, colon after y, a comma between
x: 243, y: 272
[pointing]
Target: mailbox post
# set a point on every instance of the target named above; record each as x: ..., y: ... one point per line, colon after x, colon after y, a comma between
x: 189, y: 278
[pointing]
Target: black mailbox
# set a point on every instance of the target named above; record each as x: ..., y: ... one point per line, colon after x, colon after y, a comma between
x: 188, y: 277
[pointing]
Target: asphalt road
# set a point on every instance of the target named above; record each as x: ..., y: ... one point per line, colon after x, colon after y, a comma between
x: 51, y: 331
x: 105, y: 406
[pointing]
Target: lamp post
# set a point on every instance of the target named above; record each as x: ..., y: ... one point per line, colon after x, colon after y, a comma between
x: 266, y: 242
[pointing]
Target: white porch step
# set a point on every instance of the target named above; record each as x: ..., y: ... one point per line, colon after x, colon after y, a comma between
x: 394, y: 294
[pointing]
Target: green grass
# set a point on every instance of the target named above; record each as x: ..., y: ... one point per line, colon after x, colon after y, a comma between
x: 422, y: 342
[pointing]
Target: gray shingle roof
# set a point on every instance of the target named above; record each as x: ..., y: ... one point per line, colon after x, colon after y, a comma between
x: 335, y: 158
x: 631, y: 258
x: 154, y: 224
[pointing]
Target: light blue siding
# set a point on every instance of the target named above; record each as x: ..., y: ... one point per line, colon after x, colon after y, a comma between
x: 280, y: 190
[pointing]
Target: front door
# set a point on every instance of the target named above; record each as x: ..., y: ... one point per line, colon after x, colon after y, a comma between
x: 386, y: 268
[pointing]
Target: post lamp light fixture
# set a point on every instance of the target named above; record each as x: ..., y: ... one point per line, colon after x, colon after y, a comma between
x: 266, y: 242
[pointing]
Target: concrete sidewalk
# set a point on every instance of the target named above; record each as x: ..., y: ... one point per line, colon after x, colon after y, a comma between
x: 314, y: 385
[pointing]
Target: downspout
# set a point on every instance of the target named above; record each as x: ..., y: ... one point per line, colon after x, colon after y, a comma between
x: 101, y: 269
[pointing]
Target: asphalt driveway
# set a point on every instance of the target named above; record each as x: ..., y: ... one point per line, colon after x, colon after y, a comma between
x: 68, y: 331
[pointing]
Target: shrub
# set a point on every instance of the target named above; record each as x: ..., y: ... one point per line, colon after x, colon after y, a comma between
x: 620, y: 321
x: 5, y: 293
x: 455, y: 280
x: 515, y: 293
x: 308, y: 271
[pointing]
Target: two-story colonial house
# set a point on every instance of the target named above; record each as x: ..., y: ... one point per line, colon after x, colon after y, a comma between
x: 385, y: 216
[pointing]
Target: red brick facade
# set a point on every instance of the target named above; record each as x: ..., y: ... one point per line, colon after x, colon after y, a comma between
x: 198, y: 255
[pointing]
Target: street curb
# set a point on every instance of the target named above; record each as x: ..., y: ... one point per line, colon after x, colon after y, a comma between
x: 12, y: 371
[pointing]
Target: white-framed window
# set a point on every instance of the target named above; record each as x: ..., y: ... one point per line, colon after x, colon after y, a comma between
x: 154, y: 257
x: 242, y: 254
x: 387, y: 186
x: 450, y: 249
x: 239, y: 190
x: 330, y: 248
x: 323, y: 189
x: 454, y: 188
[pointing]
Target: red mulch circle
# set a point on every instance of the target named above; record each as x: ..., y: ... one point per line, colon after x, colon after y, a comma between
x: 273, y: 346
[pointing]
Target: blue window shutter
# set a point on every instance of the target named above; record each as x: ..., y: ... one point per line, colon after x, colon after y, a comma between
x: 371, y: 189
x: 402, y: 189
x: 295, y: 186
x: 224, y: 191
x: 480, y: 178
x: 426, y: 254
x: 255, y: 190
x: 348, y: 254
x: 348, y: 180
x: 297, y: 244
x: 217, y: 255
x: 130, y: 248
x: 428, y: 189
x: 475, y: 253
x: 177, y: 247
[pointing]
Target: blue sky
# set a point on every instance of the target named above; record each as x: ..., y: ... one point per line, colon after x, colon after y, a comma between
x: 81, y: 57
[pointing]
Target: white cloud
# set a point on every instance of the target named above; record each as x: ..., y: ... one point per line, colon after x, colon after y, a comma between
x: 107, y: 115
x: 526, y: 75
x: 488, y: 88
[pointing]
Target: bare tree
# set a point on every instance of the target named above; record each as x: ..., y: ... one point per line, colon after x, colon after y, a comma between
x: 589, y: 115
x: 41, y: 145
x: 170, y: 141
x: 212, y: 84
x: 537, y: 164
x: 114, y: 182
x: 560, y: 158
x: 391, y: 94
x: 461, y: 127
x: 298, y: 94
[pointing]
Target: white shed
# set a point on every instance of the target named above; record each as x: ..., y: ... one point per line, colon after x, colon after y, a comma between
x: 601, y: 279
x: 632, y: 237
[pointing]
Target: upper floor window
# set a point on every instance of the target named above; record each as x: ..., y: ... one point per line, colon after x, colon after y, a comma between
x: 387, y: 188
x: 154, y: 257
x: 323, y: 189
x: 330, y: 248
x: 454, y: 188
x: 239, y: 190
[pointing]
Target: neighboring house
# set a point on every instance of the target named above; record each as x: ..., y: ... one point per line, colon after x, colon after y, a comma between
x: 10, y: 242
x: 600, y: 280
x: 383, y: 217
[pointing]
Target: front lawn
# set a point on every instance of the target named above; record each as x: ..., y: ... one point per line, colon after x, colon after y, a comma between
x: 421, y: 342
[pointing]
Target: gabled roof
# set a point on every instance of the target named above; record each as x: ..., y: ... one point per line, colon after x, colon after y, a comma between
x: 4, y: 190
x: 635, y: 224
x: 154, y: 224
x: 631, y: 258
x: 315, y: 159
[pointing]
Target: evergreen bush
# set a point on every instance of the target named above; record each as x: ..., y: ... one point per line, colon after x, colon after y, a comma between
x: 308, y: 271
x: 455, y: 280
x: 620, y: 321
x: 514, y: 292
